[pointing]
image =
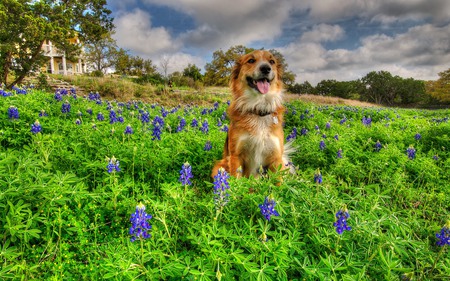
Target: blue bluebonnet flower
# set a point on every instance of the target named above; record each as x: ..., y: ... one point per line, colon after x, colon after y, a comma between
x: 158, y: 125
x: 181, y: 125
x: 205, y: 127
x: 367, y: 121
x: 328, y: 125
x: 207, y: 146
x: 13, y: 112
x: 418, y: 136
x: 224, y: 128
x: 78, y: 121
x: 444, y: 235
x: 140, y: 227
x: 58, y: 96
x: 221, y: 187
x: 204, y: 111
x: 120, y: 119
x: 303, y: 131
x: 112, y: 117
x: 268, y: 208
x: 194, y: 123
x: 378, y: 146
x: 339, y: 153
x: 316, y: 127
x: 324, y: 136
x: 318, y: 177
x: 89, y: 111
x: 219, y: 123
x: 65, y: 108
x: 42, y: 113
x: 411, y: 152
x: 100, y: 116
x: 292, y: 135
x: 128, y: 130
x: 336, y: 137
x: 4, y: 93
x: 341, y: 221
x: 224, y: 116
x: 343, y: 120
x: 436, y: 157
x: 36, y: 127
x: 322, y: 145
x: 113, y: 165
x: 145, y: 117
x: 186, y: 174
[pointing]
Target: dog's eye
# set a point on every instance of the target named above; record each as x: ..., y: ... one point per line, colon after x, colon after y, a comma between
x: 251, y: 61
x: 272, y: 62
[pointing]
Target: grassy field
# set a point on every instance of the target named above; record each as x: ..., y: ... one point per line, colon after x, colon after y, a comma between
x: 70, y: 181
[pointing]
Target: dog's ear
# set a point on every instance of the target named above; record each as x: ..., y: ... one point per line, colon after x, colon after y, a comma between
x: 279, y: 71
x: 236, y: 69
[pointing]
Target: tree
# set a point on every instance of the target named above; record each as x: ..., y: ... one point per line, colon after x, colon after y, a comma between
x: 303, y: 88
x: 440, y: 89
x: 101, y: 54
x: 122, y: 64
x: 218, y: 71
x: 380, y: 87
x: 288, y: 76
x: 193, y: 72
x: 27, y: 24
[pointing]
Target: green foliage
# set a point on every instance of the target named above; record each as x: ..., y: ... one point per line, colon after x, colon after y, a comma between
x: 26, y: 25
x: 65, y: 216
x: 440, y: 89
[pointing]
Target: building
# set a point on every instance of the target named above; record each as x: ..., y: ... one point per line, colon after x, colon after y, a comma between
x: 58, y: 63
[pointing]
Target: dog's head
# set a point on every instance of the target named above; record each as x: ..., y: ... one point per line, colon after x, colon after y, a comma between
x: 259, y: 72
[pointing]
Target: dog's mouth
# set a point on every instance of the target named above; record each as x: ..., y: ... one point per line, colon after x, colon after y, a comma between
x: 261, y: 85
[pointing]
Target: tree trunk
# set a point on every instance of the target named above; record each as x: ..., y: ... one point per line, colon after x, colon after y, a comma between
x: 6, y: 68
x: 33, y: 58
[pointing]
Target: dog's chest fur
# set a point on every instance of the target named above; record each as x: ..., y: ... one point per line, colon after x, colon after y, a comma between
x: 258, y: 143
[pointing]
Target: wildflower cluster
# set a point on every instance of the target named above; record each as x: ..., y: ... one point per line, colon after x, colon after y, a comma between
x: 411, y: 152
x: 140, y: 227
x: 186, y: 174
x: 13, y: 112
x: 221, y: 187
x: 341, y: 221
x: 318, y: 177
x: 268, y: 208
x: 444, y: 235
x: 113, y: 165
x: 36, y: 127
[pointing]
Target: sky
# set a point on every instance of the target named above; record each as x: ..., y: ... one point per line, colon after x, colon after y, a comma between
x: 320, y: 39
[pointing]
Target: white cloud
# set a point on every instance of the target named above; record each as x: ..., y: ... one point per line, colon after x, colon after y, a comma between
x: 323, y: 33
x: 177, y: 62
x: 222, y: 24
x: 421, y: 53
x: 134, y: 31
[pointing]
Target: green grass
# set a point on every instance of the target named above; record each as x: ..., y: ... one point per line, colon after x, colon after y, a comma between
x: 66, y: 218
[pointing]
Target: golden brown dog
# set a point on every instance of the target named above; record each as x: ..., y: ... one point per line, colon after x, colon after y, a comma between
x: 255, y: 137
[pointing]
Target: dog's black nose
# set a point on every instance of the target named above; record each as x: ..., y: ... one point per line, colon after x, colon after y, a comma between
x: 265, y: 69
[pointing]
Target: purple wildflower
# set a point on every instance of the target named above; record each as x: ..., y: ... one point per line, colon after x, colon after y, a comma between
x: 322, y: 145
x: 36, y: 127
x: 444, y: 235
x: 221, y: 187
x: 208, y: 146
x: 318, y: 177
x: 113, y: 165
x: 378, y: 146
x: 13, y: 112
x: 292, y: 135
x: 339, y: 153
x: 418, y: 136
x: 128, y: 130
x: 186, y: 174
x: 341, y: 221
x: 205, y: 127
x: 65, y: 108
x: 268, y: 208
x: 411, y: 152
x: 100, y: 116
x: 140, y: 227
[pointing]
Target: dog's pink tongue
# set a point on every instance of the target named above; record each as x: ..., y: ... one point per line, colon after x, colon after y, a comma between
x: 263, y: 86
